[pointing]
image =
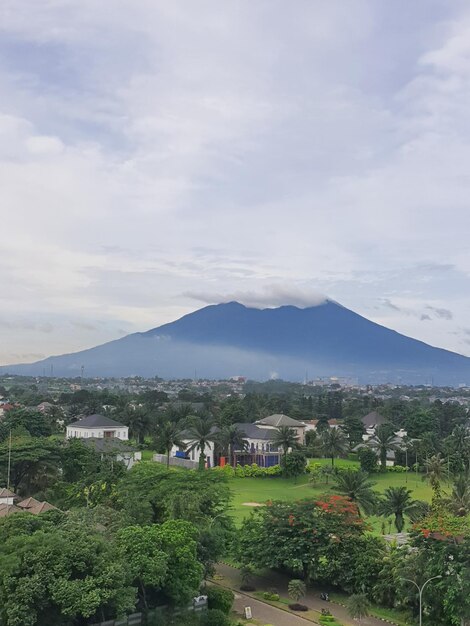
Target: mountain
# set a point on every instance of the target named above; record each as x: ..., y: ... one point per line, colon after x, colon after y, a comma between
x: 231, y: 339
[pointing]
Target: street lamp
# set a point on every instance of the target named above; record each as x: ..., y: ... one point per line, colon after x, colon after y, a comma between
x: 421, y: 589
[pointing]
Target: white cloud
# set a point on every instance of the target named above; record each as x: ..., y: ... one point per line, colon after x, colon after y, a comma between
x: 246, y: 151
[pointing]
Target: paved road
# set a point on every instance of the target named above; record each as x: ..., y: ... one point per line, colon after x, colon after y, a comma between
x: 267, y: 614
x: 231, y: 578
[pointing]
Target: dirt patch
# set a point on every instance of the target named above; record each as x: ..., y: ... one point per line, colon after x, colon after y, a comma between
x: 252, y: 504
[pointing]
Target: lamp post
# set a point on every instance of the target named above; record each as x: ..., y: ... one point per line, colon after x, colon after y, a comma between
x: 421, y: 589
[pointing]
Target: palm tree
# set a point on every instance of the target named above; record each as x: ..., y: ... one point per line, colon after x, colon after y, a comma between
x: 201, y: 435
x: 169, y: 435
x: 398, y: 502
x: 383, y: 441
x: 334, y: 443
x: 358, y: 606
x: 231, y: 437
x: 436, y: 471
x: 459, y: 500
x: 458, y: 443
x: 358, y: 488
x: 284, y: 437
x: 296, y: 589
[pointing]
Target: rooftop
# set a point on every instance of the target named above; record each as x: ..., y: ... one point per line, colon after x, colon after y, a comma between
x: 97, y: 421
x: 278, y: 419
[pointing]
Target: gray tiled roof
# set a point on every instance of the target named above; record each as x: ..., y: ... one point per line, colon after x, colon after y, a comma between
x: 97, y: 421
x: 279, y: 419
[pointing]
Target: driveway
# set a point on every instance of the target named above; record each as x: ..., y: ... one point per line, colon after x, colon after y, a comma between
x: 267, y: 614
x: 231, y: 578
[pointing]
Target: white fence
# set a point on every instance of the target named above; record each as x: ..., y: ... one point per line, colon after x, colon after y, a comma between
x: 174, y: 460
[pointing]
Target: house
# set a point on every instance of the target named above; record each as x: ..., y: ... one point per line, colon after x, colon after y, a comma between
x: 273, y: 422
x: 312, y: 424
x: 194, y: 454
x: 97, y: 426
x: 373, y: 419
x: 9, y: 504
x: 7, y: 496
x: 260, y: 448
x: 114, y: 448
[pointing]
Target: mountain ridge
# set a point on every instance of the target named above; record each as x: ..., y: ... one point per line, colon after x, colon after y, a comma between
x: 230, y: 338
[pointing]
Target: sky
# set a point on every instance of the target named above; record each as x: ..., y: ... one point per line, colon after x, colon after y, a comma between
x: 156, y: 157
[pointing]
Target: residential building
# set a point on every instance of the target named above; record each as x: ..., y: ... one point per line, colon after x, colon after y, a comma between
x: 97, y: 426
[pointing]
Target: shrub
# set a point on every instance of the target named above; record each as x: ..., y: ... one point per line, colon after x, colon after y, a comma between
x: 396, y: 468
x: 368, y: 460
x: 220, y: 598
x: 250, y: 471
x: 214, y: 617
x: 273, y: 597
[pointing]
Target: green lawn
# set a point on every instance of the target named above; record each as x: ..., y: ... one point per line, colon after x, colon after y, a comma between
x: 259, y: 490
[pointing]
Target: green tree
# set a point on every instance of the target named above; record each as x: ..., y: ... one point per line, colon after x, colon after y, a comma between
x: 201, y: 436
x: 436, y: 471
x: 459, y: 501
x: 358, y: 606
x: 383, y: 441
x: 397, y: 501
x: 168, y: 435
x: 358, y: 488
x: 32, y: 458
x: 296, y: 589
x: 294, y: 463
x: 285, y: 438
x: 334, y: 443
x: 354, y: 429
x: 230, y: 438
x: 56, y: 578
x: 146, y: 562
x: 368, y: 459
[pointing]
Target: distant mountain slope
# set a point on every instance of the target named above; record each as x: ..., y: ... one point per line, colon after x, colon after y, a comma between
x: 228, y: 339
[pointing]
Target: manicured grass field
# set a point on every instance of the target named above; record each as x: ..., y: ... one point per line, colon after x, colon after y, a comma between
x: 250, y: 490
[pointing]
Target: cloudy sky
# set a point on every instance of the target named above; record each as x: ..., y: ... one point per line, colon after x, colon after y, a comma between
x: 157, y: 156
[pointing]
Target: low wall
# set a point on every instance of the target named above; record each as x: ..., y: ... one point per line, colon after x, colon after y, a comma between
x: 161, y: 458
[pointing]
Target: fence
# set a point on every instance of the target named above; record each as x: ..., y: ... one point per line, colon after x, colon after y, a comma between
x: 142, y: 619
x: 161, y: 458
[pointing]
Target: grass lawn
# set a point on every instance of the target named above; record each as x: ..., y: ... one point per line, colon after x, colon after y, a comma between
x: 250, y: 490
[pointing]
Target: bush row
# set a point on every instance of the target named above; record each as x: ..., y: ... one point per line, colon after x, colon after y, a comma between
x: 249, y: 471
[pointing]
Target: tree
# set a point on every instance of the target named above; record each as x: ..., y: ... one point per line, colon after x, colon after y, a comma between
x: 201, y: 435
x: 383, y: 441
x: 358, y: 606
x: 357, y: 487
x: 167, y: 436
x: 312, y: 443
x: 436, y: 472
x: 295, y: 463
x: 354, y: 429
x: 334, y: 443
x: 285, y: 438
x: 231, y: 437
x: 398, y: 502
x: 459, y: 501
x: 146, y: 562
x: 31, y: 459
x: 138, y: 420
x: 368, y: 459
x: 296, y: 589
x: 58, y: 577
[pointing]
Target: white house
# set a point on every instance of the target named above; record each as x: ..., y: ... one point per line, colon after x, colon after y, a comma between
x: 194, y: 454
x: 273, y: 422
x: 98, y: 426
x: 7, y: 497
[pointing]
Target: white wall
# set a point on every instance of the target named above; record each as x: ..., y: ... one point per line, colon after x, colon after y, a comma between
x: 85, y: 433
x: 195, y: 455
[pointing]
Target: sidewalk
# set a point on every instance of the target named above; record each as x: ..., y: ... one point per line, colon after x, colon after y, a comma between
x: 231, y: 578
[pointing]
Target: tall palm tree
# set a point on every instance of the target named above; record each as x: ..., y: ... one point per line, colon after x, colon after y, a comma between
x: 459, y: 500
x: 333, y: 443
x: 167, y: 436
x: 436, y: 472
x: 231, y: 437
x: 397, y: 501
x: 285, y: 437
x: 358, y: 488
x: 201, y: 434
x: 383, y: 442
x: 458, y: 443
